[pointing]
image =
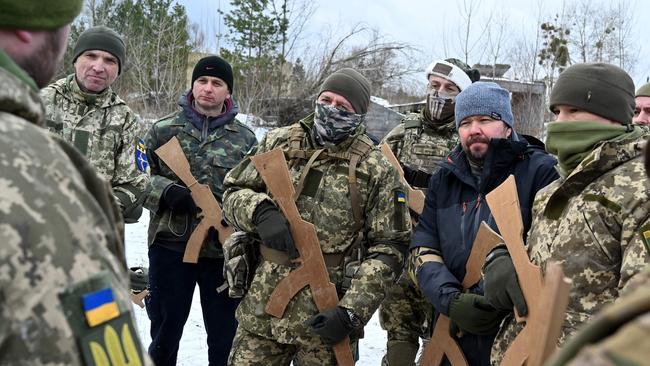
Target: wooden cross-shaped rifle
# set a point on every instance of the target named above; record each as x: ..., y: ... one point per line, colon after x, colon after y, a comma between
x: 441, y: 343
x: 172, y: 154
x: 546, y: 296
x: 312, y: 270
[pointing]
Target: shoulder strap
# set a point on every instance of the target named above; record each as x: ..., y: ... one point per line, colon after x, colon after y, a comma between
x: 360, y: 148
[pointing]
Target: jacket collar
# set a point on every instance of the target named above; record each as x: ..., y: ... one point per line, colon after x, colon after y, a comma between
x: 18, y: 96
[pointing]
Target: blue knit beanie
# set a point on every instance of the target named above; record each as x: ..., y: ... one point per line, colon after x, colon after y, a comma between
x: 484, y: 99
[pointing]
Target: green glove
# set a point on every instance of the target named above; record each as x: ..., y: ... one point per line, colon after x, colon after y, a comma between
x: 138, y: 279
x: 501, y: 285
x: 471, y: 313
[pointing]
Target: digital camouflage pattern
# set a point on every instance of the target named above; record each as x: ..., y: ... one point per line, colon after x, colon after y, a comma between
x: 60, y: 231
x: 617, y: 336
x: 104, y: 129
x: 325, y: 202
x: 600, y: 235
x: 210, y: 159
x: 421, y: 144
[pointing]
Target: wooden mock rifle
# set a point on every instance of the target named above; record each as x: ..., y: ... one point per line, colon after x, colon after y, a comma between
x: 311, y: 271
x: 546, y: 296
x: 415, y: 196
x: 172, y: 154
x: 442, y: 343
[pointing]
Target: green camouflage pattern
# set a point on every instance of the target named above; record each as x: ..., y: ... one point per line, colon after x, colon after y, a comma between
x: 59, y: 229
x: 618, y: 335
x: 421, y: 144
x: 599, y: 238
x: 405, y: 314
x: 325, y: 202
x: 249, y: 349
x: 209, y: 160
x: 104, y: 129
x: 334, y: 125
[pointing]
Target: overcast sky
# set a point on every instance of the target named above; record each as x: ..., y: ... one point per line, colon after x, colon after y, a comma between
x: 430, y: 25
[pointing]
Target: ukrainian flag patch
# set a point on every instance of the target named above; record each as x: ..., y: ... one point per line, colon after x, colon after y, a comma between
x: 141, y: 160
x: 100, y: 306
x: 401, y: 197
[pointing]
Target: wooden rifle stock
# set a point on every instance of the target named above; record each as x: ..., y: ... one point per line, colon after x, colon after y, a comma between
x: 416, y: 196
x: 546, y: 298
x: 312, y: 271
x: 441, y: 343
x: 172, y: 154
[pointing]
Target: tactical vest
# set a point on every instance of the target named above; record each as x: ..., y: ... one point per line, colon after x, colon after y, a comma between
x: 357, y: 151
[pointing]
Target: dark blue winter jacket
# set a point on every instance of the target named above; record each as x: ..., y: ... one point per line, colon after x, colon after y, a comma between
x: 453, y: 210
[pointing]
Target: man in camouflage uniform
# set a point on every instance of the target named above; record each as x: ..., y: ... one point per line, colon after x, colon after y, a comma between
x: 327, y: 199
x: 59, y: 228
x: 642, y: 108
x: 420, y: 142
x: 85, y: 111
x: 213, y: 142
x: 595, y: 218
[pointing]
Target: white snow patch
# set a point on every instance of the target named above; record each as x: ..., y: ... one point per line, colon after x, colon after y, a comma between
x: 193, y: 349
x: 381, y: 101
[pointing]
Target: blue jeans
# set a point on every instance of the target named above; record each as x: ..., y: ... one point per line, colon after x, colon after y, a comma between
x: 171, y: 287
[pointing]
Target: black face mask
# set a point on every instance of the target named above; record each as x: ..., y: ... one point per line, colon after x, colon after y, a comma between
x: 440, y: 106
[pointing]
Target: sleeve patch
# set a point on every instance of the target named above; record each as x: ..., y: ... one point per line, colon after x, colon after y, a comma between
x: 141, y: 161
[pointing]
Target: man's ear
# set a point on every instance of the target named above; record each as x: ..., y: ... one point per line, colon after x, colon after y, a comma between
x: 509, y: 132
x: 24, y: 36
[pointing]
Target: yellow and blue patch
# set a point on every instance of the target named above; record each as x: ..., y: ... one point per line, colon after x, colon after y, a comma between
x: 141, y: 160
x: 100, y: 306
x: 401, y: 197
x: 646, y: 239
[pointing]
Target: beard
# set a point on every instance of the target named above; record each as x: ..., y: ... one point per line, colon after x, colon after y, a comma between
x: 45, y: 60
x: 476, y: 156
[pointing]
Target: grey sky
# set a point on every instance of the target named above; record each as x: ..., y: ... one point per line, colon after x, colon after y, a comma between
x: 430, y: 25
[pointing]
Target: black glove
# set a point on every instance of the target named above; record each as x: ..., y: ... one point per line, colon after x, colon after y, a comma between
x: 273, y: 229
x: 179, y: 198
x: 500, y: 283
x: 416, y: 177
x: 471, y: 313
x: 138, y: 279
x: 333, y: 325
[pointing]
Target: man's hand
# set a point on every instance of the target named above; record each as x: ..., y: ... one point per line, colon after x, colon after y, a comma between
x: 273, y: 229
x: 179, y: 198
x: 472, y: 313
x: 500, y: 284
x: 333, y: 325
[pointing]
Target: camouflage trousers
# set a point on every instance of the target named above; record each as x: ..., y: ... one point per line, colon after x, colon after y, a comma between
x: 406, y: 316
x: 249, y: 349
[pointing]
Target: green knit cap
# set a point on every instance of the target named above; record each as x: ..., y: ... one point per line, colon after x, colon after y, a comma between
x: 602, y: 89
x: 351, y: 85
x: 644, y: 91
x: 35, y: 14
x: 103, y: 39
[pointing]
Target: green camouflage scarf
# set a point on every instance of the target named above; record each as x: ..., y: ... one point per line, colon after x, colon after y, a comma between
x: 572, y: 141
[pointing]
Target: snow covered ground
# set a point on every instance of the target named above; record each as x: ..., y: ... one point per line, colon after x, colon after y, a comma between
x: 193, y: 350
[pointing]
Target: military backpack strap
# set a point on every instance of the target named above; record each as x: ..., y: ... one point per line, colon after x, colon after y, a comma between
x: 359, y: 149
x: 305, y: 171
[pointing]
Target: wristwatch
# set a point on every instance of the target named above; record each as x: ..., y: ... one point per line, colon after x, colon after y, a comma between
x: 354, y: 319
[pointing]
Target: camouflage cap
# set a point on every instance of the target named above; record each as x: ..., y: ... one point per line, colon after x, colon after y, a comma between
x: 38, y: 14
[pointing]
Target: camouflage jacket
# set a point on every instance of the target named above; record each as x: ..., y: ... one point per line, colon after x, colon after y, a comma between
x: 325, y: 202
x: 421, y: 145
x: 58, y: 226
x: 596, y: 222
x: 210, y: 157
x: 106, y: 132
x: 617, y: 336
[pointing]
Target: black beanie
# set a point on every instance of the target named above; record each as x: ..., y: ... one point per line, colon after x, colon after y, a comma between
x: 103, y: 39
x: 213, y: 66
x: 602, y: 89
x: 351, y: 85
